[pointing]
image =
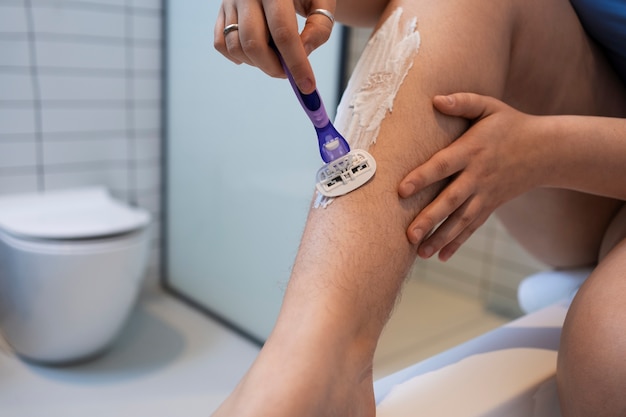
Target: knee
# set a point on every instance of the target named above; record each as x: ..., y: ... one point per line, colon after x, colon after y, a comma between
x: 591, y: 370
x: 615, y: 233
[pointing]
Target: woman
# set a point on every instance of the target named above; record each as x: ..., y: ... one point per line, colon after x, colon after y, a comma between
x: 530, y: 124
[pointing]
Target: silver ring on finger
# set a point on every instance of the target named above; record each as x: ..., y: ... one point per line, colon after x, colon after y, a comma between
x: 231, y: 28
x: 323, y: 12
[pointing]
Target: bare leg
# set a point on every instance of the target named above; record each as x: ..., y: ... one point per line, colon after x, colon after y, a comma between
x: 591, y: 368
x: 564, y: 228
x: 355, y: 254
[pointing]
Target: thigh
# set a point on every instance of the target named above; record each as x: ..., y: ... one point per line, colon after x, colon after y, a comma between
x: 562, y: 228
x: 591, y: 370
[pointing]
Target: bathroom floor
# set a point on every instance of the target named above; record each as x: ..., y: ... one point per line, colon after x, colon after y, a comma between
x: 171, y: 356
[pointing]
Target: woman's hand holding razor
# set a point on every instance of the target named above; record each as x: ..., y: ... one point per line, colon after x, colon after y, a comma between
x: 244, y: 28
x: 496, y: 160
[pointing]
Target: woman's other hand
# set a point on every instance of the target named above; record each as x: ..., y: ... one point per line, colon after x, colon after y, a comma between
x: 496, y: 160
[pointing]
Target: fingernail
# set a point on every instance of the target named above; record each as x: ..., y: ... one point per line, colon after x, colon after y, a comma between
x: 306, y: 85
x: 427, y: 252
x: 407, y: 189
x: 448, y: 99
x: 417, y: 236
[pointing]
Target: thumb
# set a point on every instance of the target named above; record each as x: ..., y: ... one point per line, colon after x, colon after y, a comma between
x: 466, y: 105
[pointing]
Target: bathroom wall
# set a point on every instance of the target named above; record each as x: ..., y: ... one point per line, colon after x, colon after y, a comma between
x: 80, y: 100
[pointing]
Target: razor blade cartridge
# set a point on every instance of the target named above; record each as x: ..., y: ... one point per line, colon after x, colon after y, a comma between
x: 345, y: 174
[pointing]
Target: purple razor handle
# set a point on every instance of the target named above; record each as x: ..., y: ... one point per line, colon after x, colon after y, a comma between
x: 332, y: 145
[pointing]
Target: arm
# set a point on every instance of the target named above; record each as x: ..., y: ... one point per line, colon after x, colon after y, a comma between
x: 591, y: 155
x: 505, y: 154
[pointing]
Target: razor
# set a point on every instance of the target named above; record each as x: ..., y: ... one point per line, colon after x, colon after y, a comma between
x: 344, y: 170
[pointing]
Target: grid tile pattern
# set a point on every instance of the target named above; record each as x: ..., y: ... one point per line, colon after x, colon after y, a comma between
x: 80, y: 100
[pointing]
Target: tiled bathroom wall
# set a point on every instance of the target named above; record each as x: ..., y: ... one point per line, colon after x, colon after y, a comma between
x: 80, y: 99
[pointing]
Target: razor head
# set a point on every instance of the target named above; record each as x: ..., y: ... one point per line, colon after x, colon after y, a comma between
x: 345, y: 174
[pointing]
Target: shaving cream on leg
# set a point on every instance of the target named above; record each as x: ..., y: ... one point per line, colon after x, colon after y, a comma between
x: 375, y: 81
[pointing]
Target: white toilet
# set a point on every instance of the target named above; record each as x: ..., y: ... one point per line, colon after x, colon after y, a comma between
x: 71, y: 266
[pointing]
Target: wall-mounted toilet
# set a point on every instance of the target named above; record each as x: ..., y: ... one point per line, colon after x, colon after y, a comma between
x: 71, y: 266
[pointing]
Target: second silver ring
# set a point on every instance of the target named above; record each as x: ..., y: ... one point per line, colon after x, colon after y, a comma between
x: 323, y: 12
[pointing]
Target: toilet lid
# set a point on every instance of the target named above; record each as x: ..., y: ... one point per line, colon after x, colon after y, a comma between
x: 73, y: 214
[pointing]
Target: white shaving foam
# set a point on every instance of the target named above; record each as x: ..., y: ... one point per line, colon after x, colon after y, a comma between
x: 375, y: 81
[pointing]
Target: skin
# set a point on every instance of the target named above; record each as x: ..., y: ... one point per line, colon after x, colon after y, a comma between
x: 505, y: 154
x: 549, y: 162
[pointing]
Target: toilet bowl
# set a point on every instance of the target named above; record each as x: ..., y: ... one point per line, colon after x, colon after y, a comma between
x: 71, y: 265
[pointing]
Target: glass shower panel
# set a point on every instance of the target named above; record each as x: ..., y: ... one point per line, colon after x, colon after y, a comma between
x: 241, y: 158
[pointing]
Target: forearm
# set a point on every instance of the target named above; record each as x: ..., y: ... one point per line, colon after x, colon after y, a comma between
x: 586, y: 154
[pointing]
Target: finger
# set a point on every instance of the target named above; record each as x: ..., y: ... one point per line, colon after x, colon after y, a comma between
x: 219, y: 41
x: 283, y: 26
x: 318, y: 25
x: 440, y: 166
x: 451, y: 248
x: 466, y: 105
x: 447, y: 231
x: 442, y: 207
x: 254, y: 38
x: 456, y: 228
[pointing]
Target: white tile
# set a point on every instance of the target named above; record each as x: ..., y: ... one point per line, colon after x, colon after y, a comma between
x: 68, y: 21
x: 150, y: 200
x: 12, y: 19
x: 454, y: 283
x: 86, y: 150
x: 148, y: 4
x: 16, y: 86
x: 112, y: 178
x: 146, y: 88
x: 83, y: 120
x: 14, y: 53
x: 81, y: 55
x: 478, y: 240
x: 147, y: 117
x: 147, y: 148
x: 148, y: 177
x: 22, y: 183
x: 16, y: 154
x: 466, y: 261
x: 16, y: 120
x: 120, y: 3
x: 77, y: 87
x: 507, y: 250
x: 508, y: 277
x: 146, y: 27
x: 147, y: 57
